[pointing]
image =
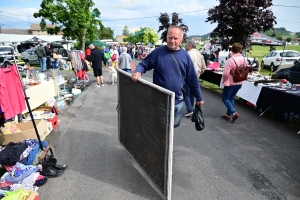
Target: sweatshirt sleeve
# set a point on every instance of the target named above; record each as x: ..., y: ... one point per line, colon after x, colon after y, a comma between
x: 193, y: 81
x: 145, y: 65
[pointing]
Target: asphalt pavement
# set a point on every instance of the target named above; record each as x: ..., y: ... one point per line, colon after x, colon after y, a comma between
x: 253, y: 158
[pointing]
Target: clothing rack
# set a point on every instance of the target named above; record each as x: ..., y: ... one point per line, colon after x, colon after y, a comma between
x: 28, y: 106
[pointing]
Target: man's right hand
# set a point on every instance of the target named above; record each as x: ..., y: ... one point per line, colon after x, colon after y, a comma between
x: 135, y: 76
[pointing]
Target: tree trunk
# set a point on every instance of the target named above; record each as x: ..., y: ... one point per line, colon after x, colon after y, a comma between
x: 82, y: 44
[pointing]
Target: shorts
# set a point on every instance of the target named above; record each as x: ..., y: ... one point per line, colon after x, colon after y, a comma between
x: 97, y: 72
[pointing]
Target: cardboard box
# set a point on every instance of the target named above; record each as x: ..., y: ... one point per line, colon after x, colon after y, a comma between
x: 43, y: 109
x: 39, y: 112
x: 28, y: 132
x: 33, y: 196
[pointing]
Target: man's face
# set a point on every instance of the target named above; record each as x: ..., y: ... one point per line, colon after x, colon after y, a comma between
x: 174, y: 39
x: 188, y: 47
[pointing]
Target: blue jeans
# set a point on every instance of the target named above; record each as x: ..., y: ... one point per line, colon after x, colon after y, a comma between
x: 54, y: 64
x: 126, y: 70
x: 177, y: 114
x: 228, y: 95
x: 189, y: 98
x: 43, y: 63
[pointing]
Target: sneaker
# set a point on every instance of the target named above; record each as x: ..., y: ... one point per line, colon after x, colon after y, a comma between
x: 225, y: 117
x: 102, y: 85
x: 188, y: 114
x: 234, y: 117
x: 97, y: 86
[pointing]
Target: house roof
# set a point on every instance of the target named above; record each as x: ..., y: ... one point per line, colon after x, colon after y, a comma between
x: 37, y: 27
x: 121, y: 36
x: 16, y: 31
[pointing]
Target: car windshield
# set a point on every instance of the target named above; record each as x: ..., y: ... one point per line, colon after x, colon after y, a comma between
x: 289, y: 54
x: 5, y: 49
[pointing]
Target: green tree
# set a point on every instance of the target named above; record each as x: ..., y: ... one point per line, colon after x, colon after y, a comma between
x: 106, y: 33
x: 297, y: 35
x: 288, y: 39
x: 279, y: 37
x: 144, y: 35
x: 125, y: 31
x: 75, y: 18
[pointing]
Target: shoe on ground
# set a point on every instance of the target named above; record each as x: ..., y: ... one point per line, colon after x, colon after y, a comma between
x: 97, y: 86
x: 234, y: 117
x: 188, y: 114
x: 102, y: 84
x: 225, y: 117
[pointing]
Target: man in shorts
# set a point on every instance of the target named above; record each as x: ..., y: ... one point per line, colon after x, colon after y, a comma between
x: 96, y: 59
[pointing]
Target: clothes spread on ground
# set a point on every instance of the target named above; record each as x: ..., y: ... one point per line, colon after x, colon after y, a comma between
x: 34, y: 144
x: 12, y: 99
x: 12, y: 153
x: 19, y: 173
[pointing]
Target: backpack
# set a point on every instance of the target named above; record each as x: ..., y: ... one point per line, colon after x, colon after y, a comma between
x: 114, y: 57
x: 107, y: 55
x: 240, y: 73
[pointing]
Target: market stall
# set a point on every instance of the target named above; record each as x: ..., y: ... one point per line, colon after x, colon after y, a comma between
x: 264, y: 94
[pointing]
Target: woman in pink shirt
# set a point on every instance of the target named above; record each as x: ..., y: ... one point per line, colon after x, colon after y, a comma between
x: 230, y: 87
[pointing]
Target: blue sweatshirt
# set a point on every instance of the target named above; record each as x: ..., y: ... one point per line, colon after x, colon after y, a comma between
x: 167, y: 73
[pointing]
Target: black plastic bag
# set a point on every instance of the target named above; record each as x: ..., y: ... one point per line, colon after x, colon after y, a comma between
x: 198, y: 118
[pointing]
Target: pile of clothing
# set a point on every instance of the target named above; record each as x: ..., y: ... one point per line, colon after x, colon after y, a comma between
x: 24, y: 172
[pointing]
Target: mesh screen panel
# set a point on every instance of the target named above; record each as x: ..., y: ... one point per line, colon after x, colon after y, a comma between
x: 144, y: 127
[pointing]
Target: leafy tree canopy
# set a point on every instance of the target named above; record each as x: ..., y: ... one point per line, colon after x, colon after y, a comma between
x: 125, y: 31
x: 75, y: 18
x: 144, y: 35
x: 238, y: 19
x: 106, y: 33
x: 164, y: 19
x: 288, y: 39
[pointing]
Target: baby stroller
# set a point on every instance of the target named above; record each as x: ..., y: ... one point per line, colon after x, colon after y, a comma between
x: 79, y: 65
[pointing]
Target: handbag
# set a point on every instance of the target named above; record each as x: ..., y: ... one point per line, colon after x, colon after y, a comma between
x: 114, y: 57
x: 55, y: 56
x: 240, y: 73
x: 198, y: 118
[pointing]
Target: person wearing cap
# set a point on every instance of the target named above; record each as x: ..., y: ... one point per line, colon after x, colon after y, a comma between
x: 41, y: 53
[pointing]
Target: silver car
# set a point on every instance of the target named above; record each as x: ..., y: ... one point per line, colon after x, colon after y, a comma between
x: 32, y: 58
x: 25, y: 54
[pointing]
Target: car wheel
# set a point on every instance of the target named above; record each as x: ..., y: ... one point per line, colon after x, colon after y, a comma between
x: 273, y: 68
x: 262, y: 65
x: 28, y: 63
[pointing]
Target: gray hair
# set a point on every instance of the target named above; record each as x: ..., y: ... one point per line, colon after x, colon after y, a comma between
x: 192, y: 44
x: 124, y: 49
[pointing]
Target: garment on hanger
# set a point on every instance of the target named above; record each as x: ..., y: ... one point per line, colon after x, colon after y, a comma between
x: 12, y: 99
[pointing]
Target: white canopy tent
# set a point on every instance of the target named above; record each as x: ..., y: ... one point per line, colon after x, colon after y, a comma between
x: 15, y: 39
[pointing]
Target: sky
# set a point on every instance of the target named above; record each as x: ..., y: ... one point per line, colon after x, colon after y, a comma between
x: 18, y: 14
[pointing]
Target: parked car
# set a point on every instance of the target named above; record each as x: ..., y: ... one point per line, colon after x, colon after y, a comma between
x: 25, y: 54
x: 32, y: 58
x: 6, y: 53
x: 282, y: 58
x: 291, y: 74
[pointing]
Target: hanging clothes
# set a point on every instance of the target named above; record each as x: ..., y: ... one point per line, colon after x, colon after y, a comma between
x: 12, y: 99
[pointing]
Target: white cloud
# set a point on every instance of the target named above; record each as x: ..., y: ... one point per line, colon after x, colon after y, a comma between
x: 13, y: 16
